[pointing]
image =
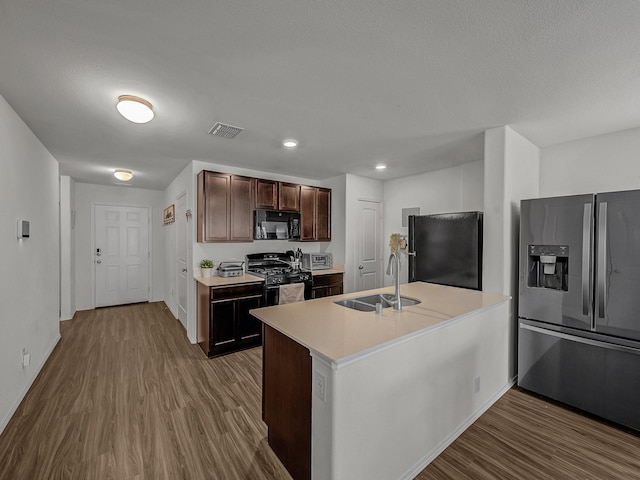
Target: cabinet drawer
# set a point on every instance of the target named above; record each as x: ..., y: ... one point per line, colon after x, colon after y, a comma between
x: 236, y: 291
x: 330, y: 279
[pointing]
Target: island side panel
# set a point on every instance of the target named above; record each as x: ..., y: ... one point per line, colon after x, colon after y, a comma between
x: 286, y: 401
x: 393, y: 412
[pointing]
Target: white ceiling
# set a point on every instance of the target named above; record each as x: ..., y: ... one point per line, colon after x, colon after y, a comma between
x: 412, y: 84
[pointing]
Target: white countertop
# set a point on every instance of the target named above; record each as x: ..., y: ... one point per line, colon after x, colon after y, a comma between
x: 216, y: 281
x: 341, y: 335
x: 328, y: 271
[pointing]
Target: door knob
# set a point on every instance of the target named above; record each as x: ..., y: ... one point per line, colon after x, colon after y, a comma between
x: 184, y: 270
x: 98, y: 261
x: 360, y: 267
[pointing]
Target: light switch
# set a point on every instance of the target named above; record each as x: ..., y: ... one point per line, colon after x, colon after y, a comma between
x: 23, y: 229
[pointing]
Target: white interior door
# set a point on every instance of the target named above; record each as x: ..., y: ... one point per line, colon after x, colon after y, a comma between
x: 121, y: 254
x: 369, y: 248
x: 181, y: 257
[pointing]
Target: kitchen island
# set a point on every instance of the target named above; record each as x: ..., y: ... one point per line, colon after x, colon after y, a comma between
x: 380, y: 395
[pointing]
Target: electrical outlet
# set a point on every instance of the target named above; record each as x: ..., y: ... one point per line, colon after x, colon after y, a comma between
x: 476, y: 385
x: 320, y: 385
x: 26, y: 358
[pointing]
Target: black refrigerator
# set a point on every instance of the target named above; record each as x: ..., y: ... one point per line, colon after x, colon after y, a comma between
x: 579, y: 302
x: 446, y: 248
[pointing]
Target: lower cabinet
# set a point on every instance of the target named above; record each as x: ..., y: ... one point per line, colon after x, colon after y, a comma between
x: 224, y: 322
x: 327, y: 285
x: 286, y: 401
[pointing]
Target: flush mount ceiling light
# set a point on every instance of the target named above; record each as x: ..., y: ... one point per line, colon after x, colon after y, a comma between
x: 289, y: 143
x: 135, y: 109
x: 381, y: 167
x: 123, y: 175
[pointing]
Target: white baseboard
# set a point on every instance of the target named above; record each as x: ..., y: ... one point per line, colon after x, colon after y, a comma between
x: 18, y: 401
x: 431, y: 456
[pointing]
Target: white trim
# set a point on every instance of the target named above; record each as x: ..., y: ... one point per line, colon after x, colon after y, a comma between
x: 176, y: 304
x: 26, y: 388
x: 93, y: 245
x: 433, y: 454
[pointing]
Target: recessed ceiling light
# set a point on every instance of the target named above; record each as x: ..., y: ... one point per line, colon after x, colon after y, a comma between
x: 135, y: 109
x: 123, y: 175
x: 290, y: 143
x: 381, y: 167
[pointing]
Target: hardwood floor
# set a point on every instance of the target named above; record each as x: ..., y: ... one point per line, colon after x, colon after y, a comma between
x: 125, y: 396
x: 525, y: 437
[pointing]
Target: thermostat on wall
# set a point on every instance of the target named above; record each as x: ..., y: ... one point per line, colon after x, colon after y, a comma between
x: 23, y: 229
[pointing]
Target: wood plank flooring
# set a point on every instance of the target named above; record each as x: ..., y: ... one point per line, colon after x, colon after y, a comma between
x: 125, y: 396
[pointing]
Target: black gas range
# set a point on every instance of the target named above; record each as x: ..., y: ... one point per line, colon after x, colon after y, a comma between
x: 276, y: 270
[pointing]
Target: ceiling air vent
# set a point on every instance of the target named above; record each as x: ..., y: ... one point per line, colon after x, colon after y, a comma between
x: 225, y: 131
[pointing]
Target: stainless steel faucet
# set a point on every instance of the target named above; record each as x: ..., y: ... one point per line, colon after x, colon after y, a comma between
x: 393, y: 268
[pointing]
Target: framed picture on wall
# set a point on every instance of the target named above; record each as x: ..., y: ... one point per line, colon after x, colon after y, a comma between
x: 170, y: 214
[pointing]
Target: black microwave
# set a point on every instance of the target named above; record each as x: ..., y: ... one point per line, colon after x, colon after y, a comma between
x: 272, y: 225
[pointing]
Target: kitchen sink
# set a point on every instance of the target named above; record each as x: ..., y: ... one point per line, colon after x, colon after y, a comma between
x: 367, y: 303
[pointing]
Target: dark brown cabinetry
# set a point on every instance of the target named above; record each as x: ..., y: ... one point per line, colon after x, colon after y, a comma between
x: 266, y: 194
x: 281, y: 196
x: 315, y: 214
x: 288, y: 197
x: 286, y: 401
x: 225, y: 205
x: 327, y: 285
x: 224, y: 322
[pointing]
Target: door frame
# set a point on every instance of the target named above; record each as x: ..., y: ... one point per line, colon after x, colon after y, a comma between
x: 93, y: 244
x: 175, y: 259
x: 380, y: 234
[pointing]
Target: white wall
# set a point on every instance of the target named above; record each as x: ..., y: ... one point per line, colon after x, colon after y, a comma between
x: 455, y: 189
x: 67, y: 248
x: 88, y: 194
x: 598, y: 164
x: 336, y: 247
x: 356, y: 188
x: 179, y: 185
x: 389, y: 414
x: 29, y: 285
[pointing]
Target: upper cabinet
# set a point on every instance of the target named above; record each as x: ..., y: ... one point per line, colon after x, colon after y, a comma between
x: 225, y: 206
x: 288, y: 197
x: 226, y: 203
x: 273, y: 195
x: 266, y: 194
x: 315, y: 214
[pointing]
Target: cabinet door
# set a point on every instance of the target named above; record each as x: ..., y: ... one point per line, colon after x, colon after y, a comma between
x: 335, y: 289
x: 308, y: 212
x: 323, y: 215
x: 223, y: 331
x: 249, y: 327
x: 288, y: 197
x: 241, y: 208
x: 213, y: 206
x: 266, y: 194
x: 320, y: 292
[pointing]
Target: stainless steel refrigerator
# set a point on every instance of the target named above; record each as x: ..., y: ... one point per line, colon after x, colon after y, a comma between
x: 446, y: 249
x: 579, y: 302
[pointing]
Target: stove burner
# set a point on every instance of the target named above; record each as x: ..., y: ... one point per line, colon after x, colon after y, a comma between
x: 276, y: 271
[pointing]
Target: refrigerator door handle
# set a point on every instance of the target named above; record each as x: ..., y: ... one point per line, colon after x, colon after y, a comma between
x: 602, y: 260
x: 587, y: 341
x: 586, y: 259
